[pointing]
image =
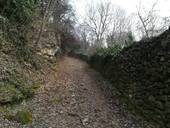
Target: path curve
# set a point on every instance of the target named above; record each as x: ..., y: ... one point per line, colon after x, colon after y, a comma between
x: 72, y: 98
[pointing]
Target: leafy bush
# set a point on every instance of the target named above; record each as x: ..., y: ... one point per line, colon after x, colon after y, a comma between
x: 15, y: 22
x: 108, y: 51
x: 24, y: 116
x: 16, y: 87
x: 19, y: 11
x: 9, y: 94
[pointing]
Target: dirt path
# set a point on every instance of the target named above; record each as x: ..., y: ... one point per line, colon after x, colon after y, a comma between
x: 72, y: 98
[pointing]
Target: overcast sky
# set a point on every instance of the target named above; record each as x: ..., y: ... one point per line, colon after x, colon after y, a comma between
x: 129, y: 5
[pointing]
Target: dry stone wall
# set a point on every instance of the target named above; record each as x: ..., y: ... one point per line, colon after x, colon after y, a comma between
x: 141, y: 73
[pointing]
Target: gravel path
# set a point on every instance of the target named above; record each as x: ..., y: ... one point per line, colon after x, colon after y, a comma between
x: 72, y: 98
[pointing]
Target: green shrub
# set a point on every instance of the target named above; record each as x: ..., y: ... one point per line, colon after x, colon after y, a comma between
x: 20, y: 11
x: 15, y: 23
x: 27, y: 91
x: 9, y: 116
x: 16, y: 89
x: 21, y: 83
x: 108, y: 51
x: 24, y: 116
x: 10, y: 94
x: 4, y: 109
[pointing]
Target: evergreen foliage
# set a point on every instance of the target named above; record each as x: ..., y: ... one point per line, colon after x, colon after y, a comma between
x: 108, y: 51
x: 20, y: 11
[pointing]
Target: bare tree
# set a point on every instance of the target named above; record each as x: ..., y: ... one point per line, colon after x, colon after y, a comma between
x: 98, y: 20
x: 148, y: 20
x: 164, y: 25
x: 57, y: 16
x: 121, y: 26
x: 47, y: 6
x: 64, y: 19
x: 82, y: 31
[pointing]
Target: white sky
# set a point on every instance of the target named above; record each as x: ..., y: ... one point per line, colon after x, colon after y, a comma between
x: 163, y: 6
x: 130, y: 6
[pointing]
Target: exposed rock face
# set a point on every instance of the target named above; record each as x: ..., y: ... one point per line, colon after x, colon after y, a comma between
x: 142, y: 74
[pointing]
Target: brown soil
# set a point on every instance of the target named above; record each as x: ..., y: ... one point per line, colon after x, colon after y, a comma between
x: 72, y: 98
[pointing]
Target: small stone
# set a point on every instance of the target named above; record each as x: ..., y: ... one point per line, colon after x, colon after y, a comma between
x: 85, y: 121
x: 73, y: 95
x: 61, y: 112
x: 162, y: 59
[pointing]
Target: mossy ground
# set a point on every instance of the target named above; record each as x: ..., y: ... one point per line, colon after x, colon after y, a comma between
x: 9, y: 93
x: 56, y: 100
x: 24, y: 116
x: 17, y: 88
